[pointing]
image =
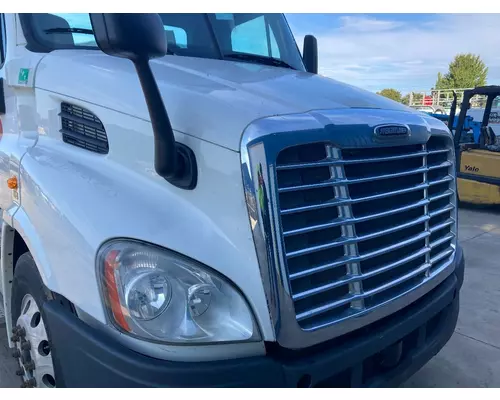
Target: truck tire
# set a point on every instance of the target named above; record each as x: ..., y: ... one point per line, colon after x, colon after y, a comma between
x: 32, y: 344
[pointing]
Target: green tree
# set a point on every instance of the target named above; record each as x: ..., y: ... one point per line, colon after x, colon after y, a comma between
x: 392, y: 94
x: 418, y: 98
x: 441, y: 82
x: 406, y: 99
x: 465, y: 71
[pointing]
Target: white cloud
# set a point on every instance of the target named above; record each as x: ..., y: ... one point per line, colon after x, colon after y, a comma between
x: 366, y: 24
x: 374, y: 53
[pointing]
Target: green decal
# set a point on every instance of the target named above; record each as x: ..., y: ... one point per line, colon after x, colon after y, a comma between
x: 23, y: 75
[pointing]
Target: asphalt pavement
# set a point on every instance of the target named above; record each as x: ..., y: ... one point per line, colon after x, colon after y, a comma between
x: 472, y: 356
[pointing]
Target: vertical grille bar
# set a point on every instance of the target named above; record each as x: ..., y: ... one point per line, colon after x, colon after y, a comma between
x: 348, y: 230
x: 426, y: 210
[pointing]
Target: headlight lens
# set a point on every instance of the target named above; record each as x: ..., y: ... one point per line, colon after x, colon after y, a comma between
x: 159, y: 295
x: 147, y: 295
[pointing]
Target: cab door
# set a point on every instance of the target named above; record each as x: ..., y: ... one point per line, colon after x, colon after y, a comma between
x: 5, y: 195
x: 10, y: 150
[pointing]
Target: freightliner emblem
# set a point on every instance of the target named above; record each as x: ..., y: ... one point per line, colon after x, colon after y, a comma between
x: 392, y: 130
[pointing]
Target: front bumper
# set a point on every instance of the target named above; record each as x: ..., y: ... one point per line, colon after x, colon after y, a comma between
x: 383, y: 354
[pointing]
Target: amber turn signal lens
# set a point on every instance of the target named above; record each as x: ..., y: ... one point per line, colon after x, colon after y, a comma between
x: 110, y: 265
x: 12, y: 183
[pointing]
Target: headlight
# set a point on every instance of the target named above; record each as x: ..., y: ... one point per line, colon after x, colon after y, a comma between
x: 159, y: 295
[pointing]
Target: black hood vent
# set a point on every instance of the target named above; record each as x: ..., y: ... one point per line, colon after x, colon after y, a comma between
x: 81, y: 128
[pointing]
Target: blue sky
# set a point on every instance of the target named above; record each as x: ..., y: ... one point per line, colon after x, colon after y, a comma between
x: 402, y: 51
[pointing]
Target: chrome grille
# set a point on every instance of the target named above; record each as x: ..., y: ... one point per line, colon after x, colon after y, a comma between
x: 362, y: 226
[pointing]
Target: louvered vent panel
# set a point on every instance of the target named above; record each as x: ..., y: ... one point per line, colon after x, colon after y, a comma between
x: 81, y: 128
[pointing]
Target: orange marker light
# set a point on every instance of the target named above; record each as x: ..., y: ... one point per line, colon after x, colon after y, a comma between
x: 110, y: 264
x: 12, y: 183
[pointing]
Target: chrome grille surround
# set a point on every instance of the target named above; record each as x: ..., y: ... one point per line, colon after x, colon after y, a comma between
x: 353, y: 293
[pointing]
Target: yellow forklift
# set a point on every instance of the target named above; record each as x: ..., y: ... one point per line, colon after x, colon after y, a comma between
x: 478, y: 162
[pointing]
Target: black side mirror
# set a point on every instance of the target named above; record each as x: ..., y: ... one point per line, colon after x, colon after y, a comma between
x: 133, y: 36
x: 140, y: 38
x: 310, y: 54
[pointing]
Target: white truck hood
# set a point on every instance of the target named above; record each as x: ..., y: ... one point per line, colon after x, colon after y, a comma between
x: 213, y: 100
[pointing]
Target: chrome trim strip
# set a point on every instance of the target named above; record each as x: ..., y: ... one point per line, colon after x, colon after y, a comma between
x: 360, y: 296
x: 312, y: 228
x: 440, y: 165
x: 436, y: 228
x: 328, y: 183
x: 361, y: 277
x: 326, y: 246
x: 324, y: 267
x: 344, y: 181
x: 342, y: 202
x: 442, y: 240
x: 261, y: 143
x: 449, y: 178
x: 320, y: 289
x: 387, y: 176
x: 441, y: 210
x: 444, y: 164
x: 441, y: 255
x: 440, y: 151
x: 446, y: 193
x: 346, y: 221
x: 398, y: 281
x: 395, y: 264
x: 395, y: 246
x: 372, y: 314
x: 382, y: 159
x: 407, y: 207
x: 359, y: 258
x: 330, y: 162
x: 334, y: 203
x: 390, y: 194
x: 328, y: 307
x: 419, y: 220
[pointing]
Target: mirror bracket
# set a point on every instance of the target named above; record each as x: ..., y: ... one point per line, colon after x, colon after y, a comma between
x: 140, y: 38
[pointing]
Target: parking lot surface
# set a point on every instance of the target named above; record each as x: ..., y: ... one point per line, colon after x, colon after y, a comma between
x: 472, y: 356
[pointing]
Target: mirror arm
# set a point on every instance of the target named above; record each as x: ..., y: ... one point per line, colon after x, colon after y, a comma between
x: 116, y: 36
x: 165, y: 149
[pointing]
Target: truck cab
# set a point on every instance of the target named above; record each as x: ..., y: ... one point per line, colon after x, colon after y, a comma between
x: 187, y: 202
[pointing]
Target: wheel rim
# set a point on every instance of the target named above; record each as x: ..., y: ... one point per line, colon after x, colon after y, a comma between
x: 32, y: 347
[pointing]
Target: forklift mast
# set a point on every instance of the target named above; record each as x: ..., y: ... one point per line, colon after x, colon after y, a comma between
x: 453, y: 110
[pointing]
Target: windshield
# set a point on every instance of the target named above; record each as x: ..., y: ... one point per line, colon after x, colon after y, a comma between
x: 258, y: 38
